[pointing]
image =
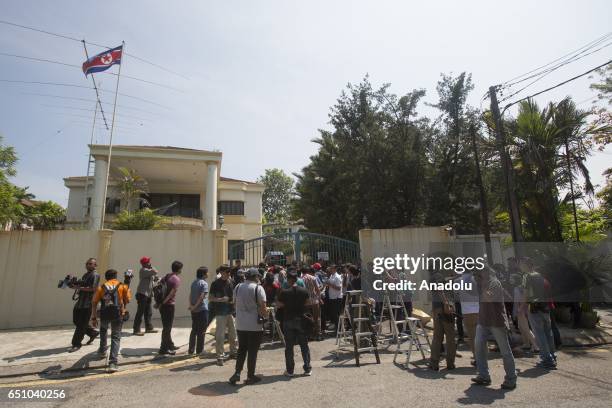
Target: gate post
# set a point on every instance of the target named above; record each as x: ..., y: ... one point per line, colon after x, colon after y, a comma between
x: 298, y: 247
x: 365, y: 246
x: 105, y: 238
x: 220, y: 254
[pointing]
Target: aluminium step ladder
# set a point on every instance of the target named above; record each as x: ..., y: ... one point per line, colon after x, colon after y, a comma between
x: 355, y: 329
x: 418, y: 340
x: 398, y: 323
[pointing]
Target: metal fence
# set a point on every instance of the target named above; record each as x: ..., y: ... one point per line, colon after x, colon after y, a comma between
x: 305, y: 247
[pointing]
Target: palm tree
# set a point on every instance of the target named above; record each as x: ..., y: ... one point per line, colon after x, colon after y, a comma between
x: 551, y: 149
x: 131, y: 187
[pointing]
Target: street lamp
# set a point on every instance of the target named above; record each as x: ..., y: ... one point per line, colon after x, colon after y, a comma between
x: 221, y: 220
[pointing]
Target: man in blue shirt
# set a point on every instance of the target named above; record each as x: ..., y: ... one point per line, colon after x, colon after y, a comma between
x: 198, y: 306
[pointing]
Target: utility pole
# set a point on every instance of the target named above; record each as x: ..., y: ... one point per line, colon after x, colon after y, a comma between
x: 571, y: 180
x: 500, y: 136
x: 484, y: 209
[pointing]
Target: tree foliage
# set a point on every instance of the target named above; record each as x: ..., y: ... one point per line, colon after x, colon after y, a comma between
x: 44, y: 215
x: 277, y: 196
x: 130, y: 188
x: 145, y: 219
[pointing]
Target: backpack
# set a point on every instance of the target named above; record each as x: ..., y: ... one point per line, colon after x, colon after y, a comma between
x: 111, y: 306
x: 160, y: 290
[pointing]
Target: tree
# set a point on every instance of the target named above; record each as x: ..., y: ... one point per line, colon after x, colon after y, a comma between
x: 549, y: 149
x: 144, y: 219
x: 605, y: 198
x: 131, y: 186
x: 277, y: 196
x: 44, y: 215
x: 10, y: 209
x: 371, y: 163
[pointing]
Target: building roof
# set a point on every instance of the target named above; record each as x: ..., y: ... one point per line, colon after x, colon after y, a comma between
x: 161, y: 147
x: 225, y: 179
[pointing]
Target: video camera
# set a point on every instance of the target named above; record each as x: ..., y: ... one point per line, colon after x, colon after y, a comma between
x: 70, y: 281
x: 127, y: 277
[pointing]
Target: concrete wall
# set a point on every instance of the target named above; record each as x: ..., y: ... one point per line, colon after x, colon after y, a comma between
x: 32, y: 263
x: 424, y: 240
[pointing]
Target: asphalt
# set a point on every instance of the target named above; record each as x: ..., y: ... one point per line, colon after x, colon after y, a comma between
x: 44, y: 352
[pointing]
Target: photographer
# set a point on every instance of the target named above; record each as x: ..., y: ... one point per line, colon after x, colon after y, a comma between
x: 113, y: 296
x: 144, y: 294
x: 443, y: 313
x: 85, y: 289
x: 250, y: 300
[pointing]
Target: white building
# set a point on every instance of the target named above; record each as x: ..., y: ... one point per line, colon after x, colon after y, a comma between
x: 184, y: 182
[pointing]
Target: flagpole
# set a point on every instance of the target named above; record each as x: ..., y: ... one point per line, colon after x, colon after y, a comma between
x: 96, y: 87
x: 110, y: 142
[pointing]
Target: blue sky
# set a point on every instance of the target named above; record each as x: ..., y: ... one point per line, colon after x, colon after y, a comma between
x: 262, y: 75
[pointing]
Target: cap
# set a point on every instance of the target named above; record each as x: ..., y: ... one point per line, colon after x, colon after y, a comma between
x: 145, y: 260
x: 252, y: 272
x: 316, y: 266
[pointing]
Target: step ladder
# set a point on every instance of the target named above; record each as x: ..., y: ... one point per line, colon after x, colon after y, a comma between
x: 398, y: 322
x: 275, y: 327
x: 355, y: 329
x: 418, y: 340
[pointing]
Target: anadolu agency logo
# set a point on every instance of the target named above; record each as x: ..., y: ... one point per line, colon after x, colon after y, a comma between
x: 406, y: 264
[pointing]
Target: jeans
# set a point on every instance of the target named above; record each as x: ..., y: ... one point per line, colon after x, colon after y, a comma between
x: 459, y: 321
x: 540, y: 323
x: 80, y: 318
x: 115, y: 326
x: 248, y: 343
x: 144, y: 309
x: 443, y: 327
x: 225, y: 321
x: 470, y: 320
x: 294, y: 334
x: 199, y: 323
x: 501, y: 338
x: 167, y: 317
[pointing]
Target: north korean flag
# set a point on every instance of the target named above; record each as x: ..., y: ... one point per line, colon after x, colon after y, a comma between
x: 103, y: 61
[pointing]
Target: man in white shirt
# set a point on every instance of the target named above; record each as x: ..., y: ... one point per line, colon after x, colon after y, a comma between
x: 469, y: 308
x: 334, y: 288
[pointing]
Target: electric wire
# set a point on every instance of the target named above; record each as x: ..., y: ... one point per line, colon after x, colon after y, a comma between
x: 94, y: 44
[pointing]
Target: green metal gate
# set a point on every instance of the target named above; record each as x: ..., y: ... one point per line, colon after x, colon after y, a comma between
x: 303, y: 247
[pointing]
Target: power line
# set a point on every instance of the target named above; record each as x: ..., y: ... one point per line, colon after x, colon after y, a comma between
x: 550, y: 70
x: 11, y: 81
x: 89, y: 100
x: 91, y: 110
x: 556, y: 86
x: 97, y: 45
x: 588, y: 45
x: 79, y: 67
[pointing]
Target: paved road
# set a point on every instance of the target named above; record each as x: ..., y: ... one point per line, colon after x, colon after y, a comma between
x: 584, y: 378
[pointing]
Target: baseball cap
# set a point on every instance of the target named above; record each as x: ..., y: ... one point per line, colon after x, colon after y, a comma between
x: 145, y: 260
x: 251, y: 272
x: 316, y: 266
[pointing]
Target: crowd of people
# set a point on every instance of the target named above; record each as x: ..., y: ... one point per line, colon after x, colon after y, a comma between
x: 307, y: 302
x: 501, y: 302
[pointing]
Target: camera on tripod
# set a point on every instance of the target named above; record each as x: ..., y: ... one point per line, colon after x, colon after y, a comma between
x: 70, y: 281
x: 127, y: 277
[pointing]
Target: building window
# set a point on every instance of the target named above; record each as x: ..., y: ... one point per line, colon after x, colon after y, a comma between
x: 173, y: 205
x: 88, y: 207
x: 235, y: 249
x: 113, y: 205
x: 230, y: 207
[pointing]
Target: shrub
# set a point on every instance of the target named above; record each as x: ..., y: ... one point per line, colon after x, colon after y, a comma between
x: 144, y: 219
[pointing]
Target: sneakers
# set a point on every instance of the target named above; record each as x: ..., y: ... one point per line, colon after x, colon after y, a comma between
x: 234, y: 379
x: 101, y: 355
x: 167, y: 352
x: 92, y: 338
x: 252, y: 380
x: 220, y: 362
x: 288, y: 374
x: 174, y: 348
x: 481, y: 381
x: 151, y: 330
x: 138, y: 333
x: 112, y: 368
x: 308, y: 372
x: 233, y: 356
x: 508, y: 386
x: 74, y: 348
x: 548, y: 365
x: 450, y: 367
